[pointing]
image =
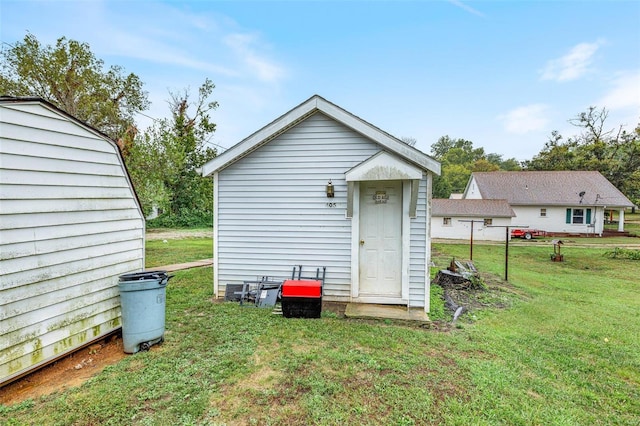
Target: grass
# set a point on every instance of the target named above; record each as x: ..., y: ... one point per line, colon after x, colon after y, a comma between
x: 167, y: 252
x: 631, y: 223
x: 564, y: 353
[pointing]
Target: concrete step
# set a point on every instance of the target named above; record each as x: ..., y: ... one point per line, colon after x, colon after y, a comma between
x: 396, y: 312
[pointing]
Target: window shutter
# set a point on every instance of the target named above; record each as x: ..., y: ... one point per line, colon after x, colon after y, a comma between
x: 568, y: 215
x: 588, y: 216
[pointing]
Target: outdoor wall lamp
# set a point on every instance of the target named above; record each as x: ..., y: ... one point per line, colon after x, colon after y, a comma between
x: 330, y: 193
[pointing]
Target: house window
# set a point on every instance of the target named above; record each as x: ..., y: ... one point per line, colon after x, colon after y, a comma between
x: 488, y: 222
x: 543, y: 212
x: 579, y: 216
x: 446, y: 221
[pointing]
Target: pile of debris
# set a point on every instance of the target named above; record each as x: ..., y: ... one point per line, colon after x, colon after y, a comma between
x: 458, y: 277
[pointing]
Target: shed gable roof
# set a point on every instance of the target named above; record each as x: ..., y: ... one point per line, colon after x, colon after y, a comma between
x: 471, y: 208
x: 298, y: 114
x: 49, y: 109
x: 549, y: 188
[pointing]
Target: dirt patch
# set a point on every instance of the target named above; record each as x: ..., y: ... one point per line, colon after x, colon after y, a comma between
x: 68, y: 372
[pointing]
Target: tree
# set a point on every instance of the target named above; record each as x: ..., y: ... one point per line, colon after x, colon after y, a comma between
x: 166, y: 159
x: 510, y: 164
x: 613, y: 152
x: 484, y: 165
x: 555, y: 155
x: 69, y: 76
x: 459, y: 159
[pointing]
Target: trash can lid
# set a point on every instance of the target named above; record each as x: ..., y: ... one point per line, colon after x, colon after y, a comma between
x: 144, y: 275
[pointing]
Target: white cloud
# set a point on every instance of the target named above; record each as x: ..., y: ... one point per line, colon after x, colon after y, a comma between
x: 161, y: 52
x: 573, y: 65
x: 466, y: 7
x: 169, y: 35
x: 243, y: 46
x: 624, y: 93
x: 525, y: 119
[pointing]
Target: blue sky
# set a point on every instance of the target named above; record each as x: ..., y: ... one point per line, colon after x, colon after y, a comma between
x: 502, y: 74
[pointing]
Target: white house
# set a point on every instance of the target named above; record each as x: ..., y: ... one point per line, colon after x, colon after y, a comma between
x: 458, y: 218
x: 273, y: 207
x: 571, y: 202
x: 70, y: 224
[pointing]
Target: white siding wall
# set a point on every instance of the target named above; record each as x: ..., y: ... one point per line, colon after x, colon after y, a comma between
x: 418, y: 272
x: 471, y: 192
x: 462, y: 230
x: 555, y: 220
x: 273, y: 212
x: 69, y: 226
x: 272, y: 206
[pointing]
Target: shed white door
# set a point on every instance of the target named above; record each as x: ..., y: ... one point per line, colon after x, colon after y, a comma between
x: 381, y: 241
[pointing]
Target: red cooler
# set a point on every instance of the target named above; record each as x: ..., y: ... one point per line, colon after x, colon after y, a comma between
x: 302, y: 298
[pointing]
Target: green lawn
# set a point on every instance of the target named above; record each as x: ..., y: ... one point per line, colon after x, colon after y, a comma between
x: 631, y: 223
x: 167, y: 252
x: 566, y: 352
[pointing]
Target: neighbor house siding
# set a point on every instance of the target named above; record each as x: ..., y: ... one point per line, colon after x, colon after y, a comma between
x: 460, y: 228
x: 69, y: 226
x: 556, y: 219
x: 472, y: 192
x: 272, y: 207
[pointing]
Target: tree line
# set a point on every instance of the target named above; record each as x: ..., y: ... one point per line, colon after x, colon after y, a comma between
x: 164, y: 159
x: 614, y: 152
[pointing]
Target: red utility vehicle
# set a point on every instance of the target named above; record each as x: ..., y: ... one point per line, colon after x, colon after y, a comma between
x: 527, y: 233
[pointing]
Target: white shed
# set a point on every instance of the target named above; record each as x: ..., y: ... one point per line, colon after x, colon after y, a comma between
x: 70, y: 224
x: 272, y: 210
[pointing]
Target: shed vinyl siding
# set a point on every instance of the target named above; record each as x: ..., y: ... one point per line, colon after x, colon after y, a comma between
x: 272, y: 207
x: 418, y: 255
x: 69, y: 226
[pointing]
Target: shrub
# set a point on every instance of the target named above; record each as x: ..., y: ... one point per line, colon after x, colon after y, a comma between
x: 622, y: 253
x: 186, y: 219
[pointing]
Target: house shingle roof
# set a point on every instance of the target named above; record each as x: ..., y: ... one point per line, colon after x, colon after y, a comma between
x: 549, y: 188
x: 470, y: 208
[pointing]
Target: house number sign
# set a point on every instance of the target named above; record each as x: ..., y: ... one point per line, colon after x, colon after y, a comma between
x: 381, y: 197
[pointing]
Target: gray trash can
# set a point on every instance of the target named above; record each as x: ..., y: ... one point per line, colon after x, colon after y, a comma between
x: 142, y: 299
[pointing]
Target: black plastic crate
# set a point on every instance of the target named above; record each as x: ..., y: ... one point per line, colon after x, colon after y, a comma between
x: 298, y: 307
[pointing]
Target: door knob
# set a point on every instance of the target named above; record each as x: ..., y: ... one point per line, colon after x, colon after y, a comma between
x: 361, y: 242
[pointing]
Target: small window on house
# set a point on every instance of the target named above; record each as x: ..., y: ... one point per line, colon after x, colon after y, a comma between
x: 543, y: 212
x: 488, y: 222
x: 579, y: 216
x: 446, y: 221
